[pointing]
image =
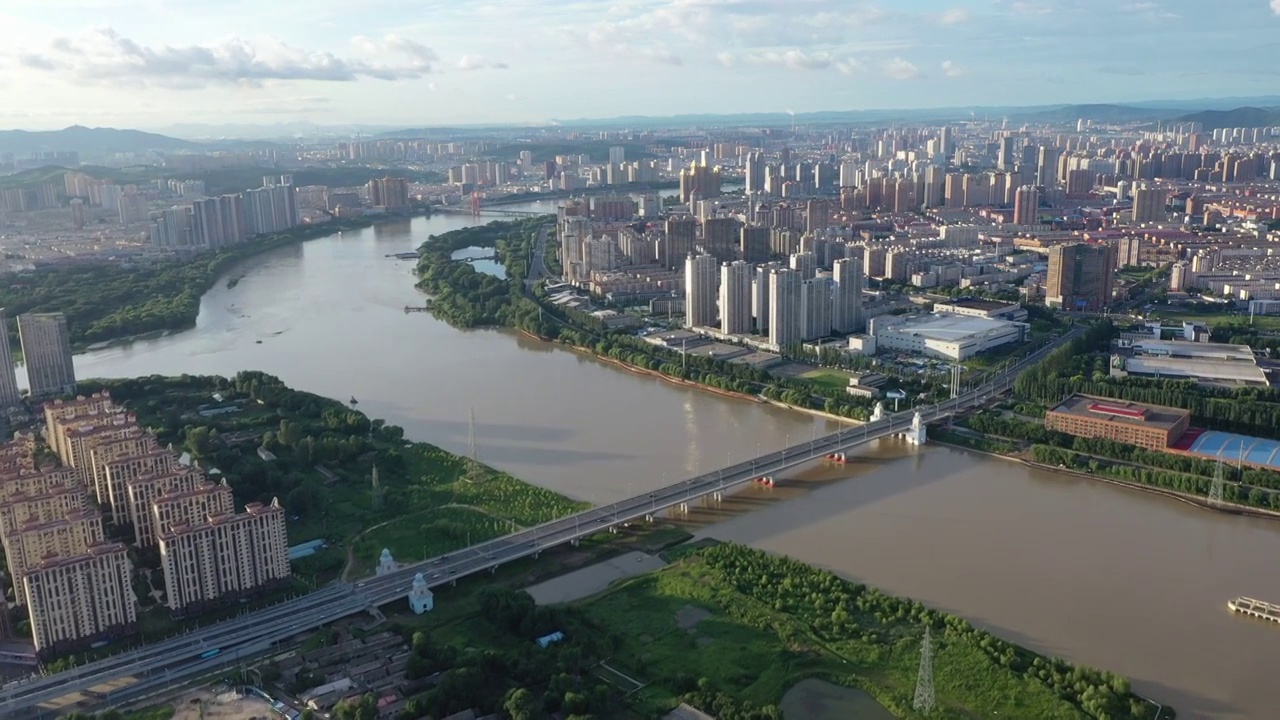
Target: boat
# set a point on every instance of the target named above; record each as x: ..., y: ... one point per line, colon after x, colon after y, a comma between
x: 354, y: 401
x: 1255, y: 608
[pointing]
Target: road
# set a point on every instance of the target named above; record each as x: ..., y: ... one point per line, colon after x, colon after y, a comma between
x: 156, y: 666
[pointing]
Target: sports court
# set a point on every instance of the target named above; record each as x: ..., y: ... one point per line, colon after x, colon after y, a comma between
x: 1237, y: 448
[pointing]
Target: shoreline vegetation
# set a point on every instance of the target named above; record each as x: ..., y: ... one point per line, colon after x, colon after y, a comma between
x: 468, y: 298
x: 112, y: 304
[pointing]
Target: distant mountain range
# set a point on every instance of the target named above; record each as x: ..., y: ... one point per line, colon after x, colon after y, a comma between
x: 88, y: 141
x: 1241, y: 117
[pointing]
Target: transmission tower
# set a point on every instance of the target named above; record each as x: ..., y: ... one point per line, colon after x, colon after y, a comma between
x: 924, y: 683
x: 1215, y: 489
x: 471, y: 437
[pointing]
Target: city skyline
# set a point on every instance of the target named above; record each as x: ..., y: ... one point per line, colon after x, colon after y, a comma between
x: 158, y: 62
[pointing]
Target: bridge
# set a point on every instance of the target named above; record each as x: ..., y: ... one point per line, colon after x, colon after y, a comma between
x: 137, y: 674
x: 495, y: 211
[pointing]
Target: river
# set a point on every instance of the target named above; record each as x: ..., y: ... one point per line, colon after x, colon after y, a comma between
x: 1104, y: 576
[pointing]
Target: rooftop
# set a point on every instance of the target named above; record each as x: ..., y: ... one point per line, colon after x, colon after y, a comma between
x: 979, y: 304
x: 1119, y: 411
x: 941, y: 326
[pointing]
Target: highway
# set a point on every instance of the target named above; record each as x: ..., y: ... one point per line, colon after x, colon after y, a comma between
x: 158, y: 665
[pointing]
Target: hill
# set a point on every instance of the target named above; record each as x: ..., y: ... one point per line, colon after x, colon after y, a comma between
x: 1241, y: 117
x: 1097, y: 112
x: 88, y: 141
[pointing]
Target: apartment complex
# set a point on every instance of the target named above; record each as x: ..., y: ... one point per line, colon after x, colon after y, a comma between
x: 1154, y: 427
x: 75, y: 585
x: 80, y: 599
x: 224, y: 557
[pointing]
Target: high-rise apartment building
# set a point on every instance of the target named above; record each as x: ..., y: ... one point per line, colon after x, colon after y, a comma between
x: 1080, y: 276
x: 8, y: 371
x: 33, y: 542
x: 760, y: 297
x: 846, y: 295
x: 1026, y: 205
x: 20, y: 509
x: 76, y: 600
x: 700, y: 291
x: 678, y: 241
x: 1129, y: 251
x: 754, y: 173
x: 735, y: 297
x: 805, y: 263
x: 699, y: 181
x: 389, y: 193
x: 224, y: 558
x: 1148, y: 203
x: 815, y: 308
x: 46, y: 350
x: 104, y: 453
x: 142, y: 492
x: 191, y: 507
x: 120, y: 472
x: 617, y: 154
x: 720, y: 238
x: 80, y: 434
x: 753, y: 243
x: 784, y: 307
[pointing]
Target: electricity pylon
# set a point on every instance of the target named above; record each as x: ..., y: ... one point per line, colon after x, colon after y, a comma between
x: 924, y: 682
x: 1216, y: 487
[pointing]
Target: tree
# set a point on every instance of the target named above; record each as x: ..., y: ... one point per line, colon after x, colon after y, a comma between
x: 520, y: 704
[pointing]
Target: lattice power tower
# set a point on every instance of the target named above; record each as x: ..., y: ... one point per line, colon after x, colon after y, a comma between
x: 924, y: 701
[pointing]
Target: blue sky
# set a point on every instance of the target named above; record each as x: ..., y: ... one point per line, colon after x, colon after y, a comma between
x: 150, y: 63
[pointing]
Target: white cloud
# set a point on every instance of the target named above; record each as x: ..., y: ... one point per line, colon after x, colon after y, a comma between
x: 1275, y: 6
x: 849, y: 66
x: 900, y: 69
x: 791, y: 59
x: 954, y: 16
x: 478, y: 62
x: 952, y: 69
x: 105, y: 56
x: 726, y: 59
x: 1022, y: 7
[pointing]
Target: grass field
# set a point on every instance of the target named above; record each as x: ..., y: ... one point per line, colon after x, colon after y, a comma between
x: 828, y: 379
x: 736, y: 627
x: 1261, y: 322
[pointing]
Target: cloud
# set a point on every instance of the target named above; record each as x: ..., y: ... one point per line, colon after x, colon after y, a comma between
x: 1021, y: 7
x: 954, y: 16
x: 477, y: 62
x: 951, y: 69
x: 900, y: 69
x: 1275, y: 6
x: 105, y: 56
x: 789, y: 59
x: 727, y: 59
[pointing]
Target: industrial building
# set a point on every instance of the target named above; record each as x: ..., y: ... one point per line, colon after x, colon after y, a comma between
x: 1149, y: 426
x: 943, y: 335
x: 1204, y: 362
x: 978, y: 307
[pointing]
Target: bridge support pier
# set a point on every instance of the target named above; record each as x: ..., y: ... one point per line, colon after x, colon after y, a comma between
x: 537, y: 555
x: 453, y: 582
x: 574, y: 542
x: 493, y: 570
x: 613, y: 529
x: 684, y: 507
x: 648, y: 518
x: 717, y: 496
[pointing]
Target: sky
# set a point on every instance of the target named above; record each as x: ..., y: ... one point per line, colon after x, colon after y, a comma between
x: 153, y: 63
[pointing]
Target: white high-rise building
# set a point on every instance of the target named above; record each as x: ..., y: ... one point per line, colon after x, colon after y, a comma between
x: 700, y: 285
x: 617, y: 155
x: 846, y: 296
x: 8, y: 375
x: 815, y: 308
x: 599, y: 254
x: 784, y: 307
x: 760, y: 298
x: 574, y: 232
x: 735, y: 297
x: 806, y: 264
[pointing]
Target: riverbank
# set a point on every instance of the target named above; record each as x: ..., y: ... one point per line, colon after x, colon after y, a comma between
x: 116, y: 303
x: 1186, y: 498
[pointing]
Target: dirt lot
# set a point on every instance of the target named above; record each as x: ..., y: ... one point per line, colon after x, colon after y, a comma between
x: 220, y: 705
x: 590, y: 580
